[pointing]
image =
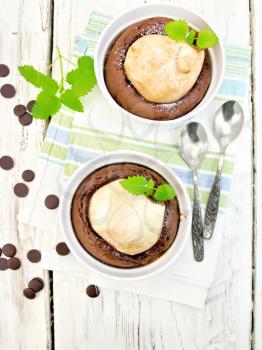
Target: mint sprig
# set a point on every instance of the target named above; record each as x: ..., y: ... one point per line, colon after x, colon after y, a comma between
x: 82, y: 79
x: 139, y: 185
x: 39, y: 79
x: 190, y: 37
x: 135, y: 185
x: 45, y: 105
x: 78, y: 82
x: 206, y: 38
x: 179, y: 30
x: 164, y: 192
x: 71, y: 100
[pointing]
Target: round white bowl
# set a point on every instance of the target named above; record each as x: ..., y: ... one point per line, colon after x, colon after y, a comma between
x: 121, y: 273
x: 134, y: 15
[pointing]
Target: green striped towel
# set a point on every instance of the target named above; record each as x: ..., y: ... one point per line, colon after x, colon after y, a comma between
x: 87, y: 138
x: 72, y: 139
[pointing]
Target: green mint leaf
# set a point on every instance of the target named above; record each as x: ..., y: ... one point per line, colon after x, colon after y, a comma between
x: 191, y: 37
x: 82, y: 87
x: 177, y: 30
x: 82, y: 78
x: 46, y: 105
x: 206, y: 39
x: 164, y: 193
x: 69, y: 99
x: 134, y: 184
x: 72, y: 76
x: 150, y: 187
x: 39, y: 79
x: 86, y: 62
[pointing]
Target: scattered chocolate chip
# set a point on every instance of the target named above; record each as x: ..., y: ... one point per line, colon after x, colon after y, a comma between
x: 14, y: 263
x: 25, y: 119
x: 62, y: 249
x: 29, y: 293
x: 4, y: 70
x: 21, y: 190
x: 30, y: 105
x: 7, y: 91
x: 92, y: 291
x: 28, y: 175
x: 52, y: 201
x: 3, y: 264
x: 19, y: 110
x: 36, y: 284
x: 34, y: 255
x: 0, y: 251
x: 9, y: 250
x: 6, y: 163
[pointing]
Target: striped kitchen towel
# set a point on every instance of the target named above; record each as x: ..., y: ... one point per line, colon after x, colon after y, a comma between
x: 72, y: 139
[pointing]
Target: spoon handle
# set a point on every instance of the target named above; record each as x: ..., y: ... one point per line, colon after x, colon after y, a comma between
x: 213, y: 203
x: 197, y: 225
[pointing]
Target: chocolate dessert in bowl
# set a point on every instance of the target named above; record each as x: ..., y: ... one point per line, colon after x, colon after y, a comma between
x: 152, y: 63
x: 125, y: 215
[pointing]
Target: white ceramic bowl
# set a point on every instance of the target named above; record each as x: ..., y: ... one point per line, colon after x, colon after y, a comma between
x: 124, y: 20
x: 138, y: 272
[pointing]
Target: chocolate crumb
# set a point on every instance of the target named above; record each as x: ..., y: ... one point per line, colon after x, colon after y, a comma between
x: 4, y: 70
x: 3, y: 264
x: 52, y: 201
x: 25, y: 119
x: 19, y: 110
x: 6, y: 163
x: 62, y: 249
x: 36, y: 284
x: 92, y: 291
x: 28, y: 175
x: 21, y: 190
x: 14, y: 263
x: 34, y: 256
x: 9, y: 250
x: 30, y: 105
x: 29, y: 293
x: 8, y: 91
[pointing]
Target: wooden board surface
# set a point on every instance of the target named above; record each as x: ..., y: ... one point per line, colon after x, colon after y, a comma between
x: 256, y: 8
x: 127, y: 321
x: 25, y: 33
x: 116, y: 320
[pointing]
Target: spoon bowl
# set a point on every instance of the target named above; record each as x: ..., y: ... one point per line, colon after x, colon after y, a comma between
x: 193, y: 144
x: 228, y: 123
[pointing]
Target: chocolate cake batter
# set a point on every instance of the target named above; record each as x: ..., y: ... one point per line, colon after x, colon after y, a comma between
x: 127, y: 96
x: 96, y: 245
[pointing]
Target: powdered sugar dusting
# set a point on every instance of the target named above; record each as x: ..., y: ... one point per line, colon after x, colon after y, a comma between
x: 154, y: 28
x: 168, y: 106
x: 120, y: 55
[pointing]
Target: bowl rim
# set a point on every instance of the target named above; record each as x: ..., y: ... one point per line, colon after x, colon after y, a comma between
x: 173, y: 122
x: 90, y: 262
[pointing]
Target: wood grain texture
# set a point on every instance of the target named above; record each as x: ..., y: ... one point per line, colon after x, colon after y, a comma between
x: 124, y: 321
x: 25, y: 29
x: 256, y: 9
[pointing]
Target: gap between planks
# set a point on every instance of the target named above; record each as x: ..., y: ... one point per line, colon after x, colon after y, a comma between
x: 254, y: 173
x: 50, y: 273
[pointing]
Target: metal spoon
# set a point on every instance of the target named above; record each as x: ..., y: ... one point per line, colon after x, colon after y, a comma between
x: 227, y: 125
x: 193, y: 147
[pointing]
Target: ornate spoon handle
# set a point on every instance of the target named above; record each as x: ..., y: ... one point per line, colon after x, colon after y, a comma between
x: 197, y: 225
x: 213, y: 203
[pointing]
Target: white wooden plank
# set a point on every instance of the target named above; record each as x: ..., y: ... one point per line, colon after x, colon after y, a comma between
x: 126, y: 321
x: 25, y: 28
x: 256, y: 8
